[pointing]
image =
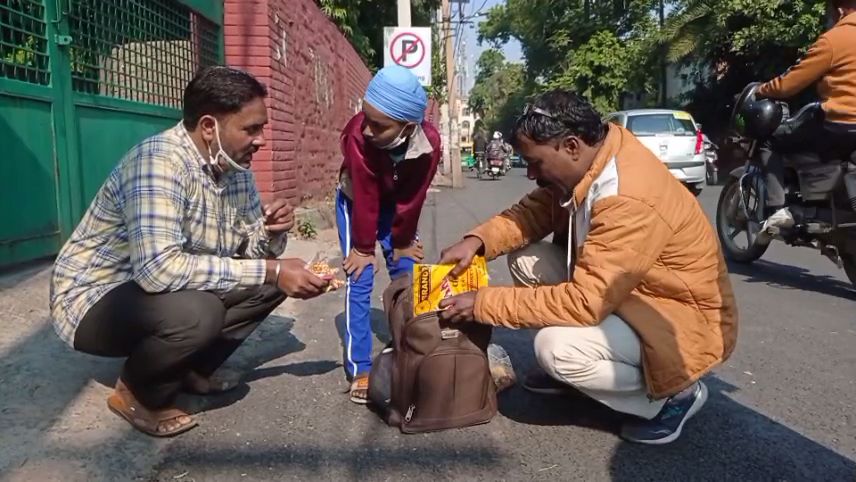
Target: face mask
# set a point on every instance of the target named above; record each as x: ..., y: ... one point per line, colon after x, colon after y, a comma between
x: 214, y: 159
x: 398, y: 141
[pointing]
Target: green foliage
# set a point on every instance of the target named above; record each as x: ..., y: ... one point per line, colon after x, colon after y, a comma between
x: 601, y: 69
x: 499, y: 90
x: 605, y: 49
x: 306, y: 230
x: 362, y: 22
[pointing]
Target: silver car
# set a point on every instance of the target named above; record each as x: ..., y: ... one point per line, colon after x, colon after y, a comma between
x: 673, y: 137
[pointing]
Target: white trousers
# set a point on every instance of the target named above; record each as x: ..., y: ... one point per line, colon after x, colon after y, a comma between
x: 603, y: 361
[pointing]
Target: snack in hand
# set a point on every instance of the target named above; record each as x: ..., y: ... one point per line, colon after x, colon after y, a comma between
x: 323, y: 270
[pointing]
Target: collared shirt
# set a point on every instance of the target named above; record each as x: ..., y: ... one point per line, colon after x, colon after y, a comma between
x: 162, y: 220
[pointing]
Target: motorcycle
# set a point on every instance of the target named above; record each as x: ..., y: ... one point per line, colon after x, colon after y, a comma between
x: 711, y: 176
x: 820, y: 191
x: 495, y: 167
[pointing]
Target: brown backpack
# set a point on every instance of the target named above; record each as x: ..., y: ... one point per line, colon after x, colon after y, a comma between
x: 431, y: 377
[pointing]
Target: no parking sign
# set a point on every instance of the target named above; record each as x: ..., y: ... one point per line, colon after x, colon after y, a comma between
x: 409, y: 47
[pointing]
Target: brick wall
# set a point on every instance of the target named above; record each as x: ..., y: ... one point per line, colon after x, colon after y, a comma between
x: 316, y: 81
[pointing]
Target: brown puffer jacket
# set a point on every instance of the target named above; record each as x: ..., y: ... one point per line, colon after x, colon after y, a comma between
x: 645, y: 251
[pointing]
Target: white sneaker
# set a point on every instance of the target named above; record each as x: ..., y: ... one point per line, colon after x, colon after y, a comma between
x: 779, y: 219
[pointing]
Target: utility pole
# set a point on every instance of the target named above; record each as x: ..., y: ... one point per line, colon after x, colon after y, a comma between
x: 403, y: 13
x: 664, y: 95
x: 454, y: 136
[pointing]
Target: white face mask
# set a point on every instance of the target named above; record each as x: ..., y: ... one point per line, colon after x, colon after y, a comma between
x: 214, y: 159
x: 398, y: 141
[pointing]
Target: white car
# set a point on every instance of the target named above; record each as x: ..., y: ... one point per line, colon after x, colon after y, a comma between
x: 672, y: 136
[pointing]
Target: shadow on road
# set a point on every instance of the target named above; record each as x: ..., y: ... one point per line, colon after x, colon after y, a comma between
x: 299, y: 369
x: 726, y: 440
x: 366, y: 462
x: 792, y: 277
x: 379, y: 327
x: 49, y: 408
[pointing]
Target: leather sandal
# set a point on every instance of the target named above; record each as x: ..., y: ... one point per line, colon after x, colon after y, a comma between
x: 149, y: 422
x: 360, y: 389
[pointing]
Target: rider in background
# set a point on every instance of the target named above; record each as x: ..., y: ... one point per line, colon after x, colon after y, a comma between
x: 479, y: 146
x: 831, y: 63
x: 498, y: 149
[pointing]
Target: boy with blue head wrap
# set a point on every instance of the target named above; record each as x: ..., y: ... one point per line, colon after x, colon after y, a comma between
x: 390, y: 157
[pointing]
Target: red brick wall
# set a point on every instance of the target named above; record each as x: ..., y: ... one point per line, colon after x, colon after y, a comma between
x: 316, y: 81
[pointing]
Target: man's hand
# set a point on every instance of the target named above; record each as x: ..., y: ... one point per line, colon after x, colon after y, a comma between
x: 356, y: 262
x: 415, y: 251
x: 297, y: 282
x: 461, y: 254
x: 279, y: 216
x: 459, y: 309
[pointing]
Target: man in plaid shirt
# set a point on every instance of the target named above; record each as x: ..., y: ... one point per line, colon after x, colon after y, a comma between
x: 175, y: 262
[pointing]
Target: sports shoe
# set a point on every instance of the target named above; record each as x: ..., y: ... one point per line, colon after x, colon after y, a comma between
x: 666, y: 426
x: 781, y: 219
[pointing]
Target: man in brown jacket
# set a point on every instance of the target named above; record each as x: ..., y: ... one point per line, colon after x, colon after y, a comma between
x: 831, y: 64
x: 639, y: 306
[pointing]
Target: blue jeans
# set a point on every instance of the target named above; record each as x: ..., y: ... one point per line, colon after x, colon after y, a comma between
x: 358, y: 292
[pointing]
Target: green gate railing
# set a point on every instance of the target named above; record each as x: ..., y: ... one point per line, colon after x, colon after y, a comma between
x: 81, y: 81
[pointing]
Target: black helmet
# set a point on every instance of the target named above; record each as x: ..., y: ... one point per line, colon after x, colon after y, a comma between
x: 756, y: 118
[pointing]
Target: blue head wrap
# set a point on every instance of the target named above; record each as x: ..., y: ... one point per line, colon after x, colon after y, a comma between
x: 396, y: 92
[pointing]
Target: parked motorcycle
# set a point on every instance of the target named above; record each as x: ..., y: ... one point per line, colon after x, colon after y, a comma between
x: 820, y: 191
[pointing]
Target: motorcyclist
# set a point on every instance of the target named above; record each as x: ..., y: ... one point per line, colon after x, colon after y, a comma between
x: 479, y: 148
x: 498, y: 148
x: 831, y: 63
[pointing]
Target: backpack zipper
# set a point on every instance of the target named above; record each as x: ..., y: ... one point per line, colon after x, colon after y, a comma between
x: 409, y: 415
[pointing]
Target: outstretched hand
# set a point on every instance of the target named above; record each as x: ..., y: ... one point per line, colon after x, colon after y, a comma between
x: 461, y: 254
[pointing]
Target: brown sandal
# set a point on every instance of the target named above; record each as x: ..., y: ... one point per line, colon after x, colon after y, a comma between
x: 148, y: 421
x: 360, y: 389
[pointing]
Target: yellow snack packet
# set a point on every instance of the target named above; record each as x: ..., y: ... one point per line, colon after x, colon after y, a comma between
x: 431, y: 283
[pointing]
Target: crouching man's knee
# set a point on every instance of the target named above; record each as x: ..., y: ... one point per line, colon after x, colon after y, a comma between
x: 537, y: 264
x: 561, y: 359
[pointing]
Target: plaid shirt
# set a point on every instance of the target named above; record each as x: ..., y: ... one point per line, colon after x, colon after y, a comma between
x: 162, y: 221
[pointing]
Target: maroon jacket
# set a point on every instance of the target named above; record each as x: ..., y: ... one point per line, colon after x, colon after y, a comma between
x: 377, y: 182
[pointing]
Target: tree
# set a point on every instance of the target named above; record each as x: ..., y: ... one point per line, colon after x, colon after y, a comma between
x: 601, y: 70
x: 548, y: 30
x: 362, y: 22
x: 499, y: 90
x: 731, y: 43
x: 606, y: 48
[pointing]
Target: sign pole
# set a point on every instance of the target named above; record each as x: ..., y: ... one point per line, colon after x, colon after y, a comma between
x: 403, y: 13
x: 454, y: 137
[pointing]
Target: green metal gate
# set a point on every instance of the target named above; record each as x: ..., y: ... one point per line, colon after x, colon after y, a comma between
x: 81, y: 81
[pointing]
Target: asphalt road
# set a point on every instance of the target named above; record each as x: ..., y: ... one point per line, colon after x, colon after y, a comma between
x: 782, y: 408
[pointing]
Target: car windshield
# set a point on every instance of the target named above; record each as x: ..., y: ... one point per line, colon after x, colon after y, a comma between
x: 660, y: 124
